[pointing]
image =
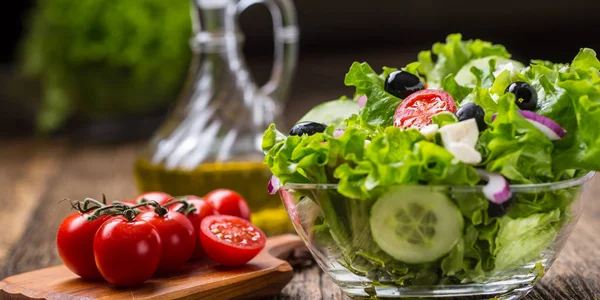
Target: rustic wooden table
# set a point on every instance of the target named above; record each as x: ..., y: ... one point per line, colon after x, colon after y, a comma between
x: 35, y: 175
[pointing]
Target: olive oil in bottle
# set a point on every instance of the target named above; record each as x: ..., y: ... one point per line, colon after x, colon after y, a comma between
x: 247, y: 178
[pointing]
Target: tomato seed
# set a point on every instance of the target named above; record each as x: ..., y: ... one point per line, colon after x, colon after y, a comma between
x: 234, y: 233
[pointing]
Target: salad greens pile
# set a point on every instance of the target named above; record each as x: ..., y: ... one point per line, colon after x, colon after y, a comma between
x: 105, y: 59
x: 372, y: 155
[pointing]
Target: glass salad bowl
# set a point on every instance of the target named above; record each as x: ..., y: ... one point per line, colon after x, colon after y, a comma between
x: 436, y: 241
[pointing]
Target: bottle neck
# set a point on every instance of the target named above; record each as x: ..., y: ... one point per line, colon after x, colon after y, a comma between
x: 214, y: 26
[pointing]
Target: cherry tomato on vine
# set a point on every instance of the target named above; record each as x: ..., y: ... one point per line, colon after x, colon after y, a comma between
x: 230, y: 240
x: 416, y: 110
x: 75, y: 243
x: 160, y: 197
x: 228, y: 202
x: 127, y: 253
x: 177, y: 236
x: 203, y: 210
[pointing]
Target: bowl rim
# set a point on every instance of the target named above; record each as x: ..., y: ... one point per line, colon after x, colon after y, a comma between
x: 515, y: 188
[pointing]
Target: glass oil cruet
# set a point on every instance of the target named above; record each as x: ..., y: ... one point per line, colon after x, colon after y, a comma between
x: 213, y: 135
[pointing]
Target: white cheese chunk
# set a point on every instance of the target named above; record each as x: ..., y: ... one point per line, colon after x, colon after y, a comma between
x: 464, y: 153
x: 464, y: 132
x: 429, y: 131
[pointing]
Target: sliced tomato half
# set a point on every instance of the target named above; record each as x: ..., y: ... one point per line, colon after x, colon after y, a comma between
x: 416, y: 110
x: 230, y: 240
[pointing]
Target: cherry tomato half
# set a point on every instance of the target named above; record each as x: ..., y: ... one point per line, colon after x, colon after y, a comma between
x: 160, y: 197
x: 228, y: 202
x: 75, y: 243
x: 203, y: 210
x: 416, y: 110
x: 230, y: 240
x: 177, y: 236
x: 127, y: 253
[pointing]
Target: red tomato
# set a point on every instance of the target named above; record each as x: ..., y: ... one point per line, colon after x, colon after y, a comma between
x: 230, y: 240
x: 127, y: 253
x: 228, y: 202
x: 160, y: 197
x: 203, y: 209
x: 177, y: 236
x: 75, y: 243
x: 416, y: 110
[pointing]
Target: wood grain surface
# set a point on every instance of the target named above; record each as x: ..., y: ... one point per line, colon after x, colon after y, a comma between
x: 36, y: 175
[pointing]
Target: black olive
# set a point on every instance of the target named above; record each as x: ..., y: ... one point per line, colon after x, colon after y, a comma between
x: 401, y: 84
x: 499, y: 210
x: 308, y: 128
x: 472, y: 111
x: 526, y: 95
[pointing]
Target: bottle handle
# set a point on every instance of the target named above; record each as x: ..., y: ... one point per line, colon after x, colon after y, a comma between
x: 286, y: 35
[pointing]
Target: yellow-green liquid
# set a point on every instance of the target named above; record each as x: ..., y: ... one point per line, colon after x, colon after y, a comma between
x: 249, y: 179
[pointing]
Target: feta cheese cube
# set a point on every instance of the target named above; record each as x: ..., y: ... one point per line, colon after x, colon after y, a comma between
x: 464, y: 132
x: 464, y: 153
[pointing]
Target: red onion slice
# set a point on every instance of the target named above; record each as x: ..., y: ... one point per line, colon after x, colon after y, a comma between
x: 362, y: 100
x: 274, y: 185
x: 546, y: 125
x: 338, y: 132
x: 496, y: 189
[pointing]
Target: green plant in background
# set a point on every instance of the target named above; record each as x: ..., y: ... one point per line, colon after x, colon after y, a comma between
x: 106, y: 58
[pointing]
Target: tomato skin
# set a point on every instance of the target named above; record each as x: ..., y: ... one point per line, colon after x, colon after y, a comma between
x: 416, y: 110
x: 75, y: 244
x: 228, y: 202
x: 203, y: 210
x: 160, y: 197
x: 127, y: 253
x: 177, y: 236
x: 231, y: 253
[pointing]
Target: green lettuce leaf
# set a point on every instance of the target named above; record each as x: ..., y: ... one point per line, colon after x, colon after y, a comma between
x: 381, y: 106
x: 482, y: 97
x: 580, y: 116
x: 398, y: 156
x: 453, y: 55
x: 514, y: 148
x: 458, y: 92
x: 444, y: 118
x: 501, y: 82
x: 522, y: 240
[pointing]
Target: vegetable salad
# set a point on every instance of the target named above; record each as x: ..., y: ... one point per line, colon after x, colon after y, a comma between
x: 472, y: 116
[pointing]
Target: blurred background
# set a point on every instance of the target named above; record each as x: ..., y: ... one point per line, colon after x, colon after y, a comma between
x: 90, y: 69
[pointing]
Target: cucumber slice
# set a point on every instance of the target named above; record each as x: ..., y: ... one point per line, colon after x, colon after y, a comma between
x: 415, y: 225
x: 464, y: 76
x: 332, y: 112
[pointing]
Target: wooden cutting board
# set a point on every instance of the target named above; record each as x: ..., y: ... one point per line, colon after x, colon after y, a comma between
x: 263, y: 276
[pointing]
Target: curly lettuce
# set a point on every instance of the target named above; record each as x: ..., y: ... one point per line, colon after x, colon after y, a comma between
x: 453, y: 55
x: 379, y: 109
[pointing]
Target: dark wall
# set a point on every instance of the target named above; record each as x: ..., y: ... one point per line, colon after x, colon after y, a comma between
x: 531, y: 28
